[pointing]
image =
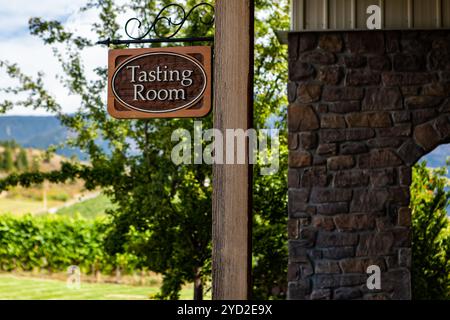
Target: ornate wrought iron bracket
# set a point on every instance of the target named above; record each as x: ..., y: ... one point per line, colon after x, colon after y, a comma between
x: 172, y: 27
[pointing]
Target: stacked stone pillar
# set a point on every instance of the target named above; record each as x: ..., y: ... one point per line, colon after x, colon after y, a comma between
x: 364, y: 107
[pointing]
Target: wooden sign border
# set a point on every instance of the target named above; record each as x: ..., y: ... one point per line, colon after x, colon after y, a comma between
x: 205, y: 109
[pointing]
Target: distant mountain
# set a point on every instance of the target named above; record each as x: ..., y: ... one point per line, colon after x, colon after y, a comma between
x: 38, y: 132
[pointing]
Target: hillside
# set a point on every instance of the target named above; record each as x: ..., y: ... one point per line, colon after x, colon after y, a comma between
x: 38, y: 132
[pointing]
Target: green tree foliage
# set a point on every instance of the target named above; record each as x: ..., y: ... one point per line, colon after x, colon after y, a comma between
x: 21, y: 162
x: 54, y: 244
x: 431, y: 233
x: 163, y: 211
x: 7, y: 160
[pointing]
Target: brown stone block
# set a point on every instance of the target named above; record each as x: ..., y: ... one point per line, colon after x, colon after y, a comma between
x: 340, y: 162
x: 355, y: 61
x: 330, y: 75
x: 332, y: 135
x: 382, y: 99
x: 379, y: 119
x: 338, y: 253
x: 392, y: 41
x: 308, y: 92
x: 334, y: 94
x: 357, y: 120
x: 325, y: 195
x: 299, y: 159
x: 302, y: 118
x: 390, y: 142
x: 323, y: 223
x: 298, y: 250
x: 439, y: 60
x: 332, y: 208
x: 353, y: 148
x: 362, y: 78
x: 292, y: 91
x: 422, y: 102
x: 379, y: 158
x: 410, y: 152
x: 442, y: 125
x: 405, y: 175
x: 437, y: 89
x: 369, y: 200
x: 323, y: 281
x: 347, y: 293
x: 293, y: 178
x: 359, y: 265
x: 391, y: 79
x: 373, y: 120
x: 293, y: 271
x: 350, y: 178
x: 404, y: 257
x: 354, y: 222
x: 402, y: 130
x: 445, y: 108
x: 345, y: 107
x: 332, y: 121
x: 398, y: 282
x: 293, y: 39
x: 331, y: 42
x: 409, y: 62
x: 401, y: 116
x: 402, y: 237
x: 292, y: 228
x: 375, y: 244
x: 321, y: 294
x: 327, y: 149
x: 292, y: 141
x: 308, y: 140
x: 382, y: 178
x: 300, y: 71
x: 336, y: 239
x: 359, y: 134
x: 314, y: 177
x: 423, y: 115
x: 297, y: 290
x: 366, y: 42
x: 404, y: 217
x: 326, y: 266
x: 308, y: 41
x: 318, y: 57
x: 410, y: 90
x: 399, y: 195
x: 379, y: 63
x: 426, y: 136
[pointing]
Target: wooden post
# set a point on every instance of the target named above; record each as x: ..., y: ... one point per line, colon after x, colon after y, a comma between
x: 232, y: 183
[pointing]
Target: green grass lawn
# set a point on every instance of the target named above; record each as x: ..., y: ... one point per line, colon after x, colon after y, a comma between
x: 14, y: 287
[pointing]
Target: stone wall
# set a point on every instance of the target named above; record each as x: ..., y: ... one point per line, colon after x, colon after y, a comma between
x: 364, y: 107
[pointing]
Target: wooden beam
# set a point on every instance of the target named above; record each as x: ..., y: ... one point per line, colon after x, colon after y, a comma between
x: 232, y: 183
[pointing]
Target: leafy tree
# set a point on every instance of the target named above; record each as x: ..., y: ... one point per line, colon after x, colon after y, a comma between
x: 163, y: 211
x: 7, y: 160
x: 22, y: 160
x: 431, y: 233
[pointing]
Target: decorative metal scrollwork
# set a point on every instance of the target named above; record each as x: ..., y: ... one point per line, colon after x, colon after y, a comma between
x: 176, y: 23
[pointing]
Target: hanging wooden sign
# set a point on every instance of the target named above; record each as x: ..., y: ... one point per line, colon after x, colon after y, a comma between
x: 170, y: 82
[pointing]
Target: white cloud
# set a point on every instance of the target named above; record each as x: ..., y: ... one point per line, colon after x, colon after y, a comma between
x: 32, y: 55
